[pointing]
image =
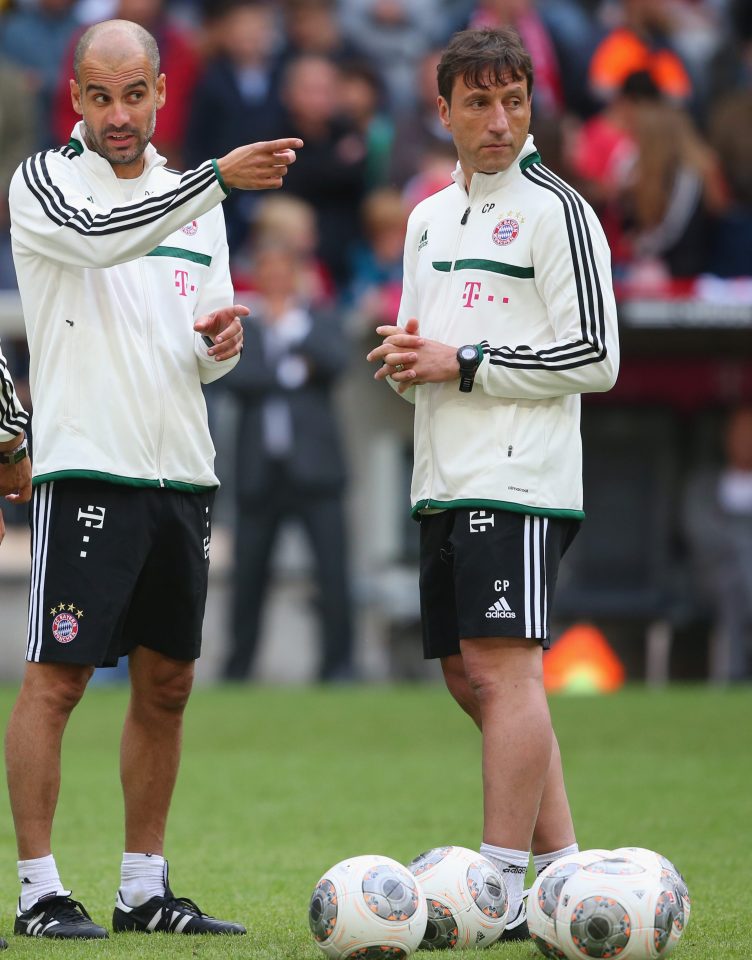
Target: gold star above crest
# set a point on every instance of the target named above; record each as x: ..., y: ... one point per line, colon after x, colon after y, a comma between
x: 61, y: 607
x: 71, y: 607
x: 79, y: 613
x: 53, y: 611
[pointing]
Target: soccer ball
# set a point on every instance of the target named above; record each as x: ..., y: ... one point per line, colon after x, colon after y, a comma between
x: 367, y: 907
x: 544, y: 898
x: 664, y: 868
x: 466, y: 898
x: 653, y: 860
x: 616, y: 908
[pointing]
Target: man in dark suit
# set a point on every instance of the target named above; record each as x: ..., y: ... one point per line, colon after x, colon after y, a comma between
x: 289, y: 459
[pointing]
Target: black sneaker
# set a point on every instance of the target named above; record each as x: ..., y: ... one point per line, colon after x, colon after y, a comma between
x: 168, y: 914
x: 517, y: 929
x: 58, y: 917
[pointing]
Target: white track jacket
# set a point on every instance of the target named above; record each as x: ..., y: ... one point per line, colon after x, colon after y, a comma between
x: 110, y: 289
x: 521, y: 267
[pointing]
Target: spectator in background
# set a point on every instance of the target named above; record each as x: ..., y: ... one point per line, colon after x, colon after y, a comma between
x: 180, y: 62
x: 641, y: 41
x: 18, y: 138
x: 289, y: 459
x: 331, y: 172
x: 730, y: 134
x: 674, y: 194
x: 36, y: 38
x: 656, y: 183
x: 362, y: 97
x: 291, y: 222
x: 376, y: 286
x: 731, y: 67
x: 561, y: 39
x: 236, y: 100
x: 313, y: 27
x: 718, y: 528
x: 418, y: 129
x: 394, y: 35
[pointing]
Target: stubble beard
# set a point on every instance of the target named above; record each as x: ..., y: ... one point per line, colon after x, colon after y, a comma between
x: 118, y: 159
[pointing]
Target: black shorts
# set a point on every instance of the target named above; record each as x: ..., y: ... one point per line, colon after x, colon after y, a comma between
x: 114, y: 567
x: 488, y: 573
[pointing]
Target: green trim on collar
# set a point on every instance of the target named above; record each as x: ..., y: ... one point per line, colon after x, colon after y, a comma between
x: 492, y: 266
x: 219, y: 178
x: 76, y: 145
x: 180, y: 253
x: 122, y: 481
x: 497, y: 505
x: 529, y: 160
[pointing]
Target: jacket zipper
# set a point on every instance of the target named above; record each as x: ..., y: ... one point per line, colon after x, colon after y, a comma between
x: 155, y: 370
x: 463, y: 222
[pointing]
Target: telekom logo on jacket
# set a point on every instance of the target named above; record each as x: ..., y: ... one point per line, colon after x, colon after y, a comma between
x: 182, y: 284
x: 472, y: 291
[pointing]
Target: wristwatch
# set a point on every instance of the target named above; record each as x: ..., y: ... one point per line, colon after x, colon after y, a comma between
x: 469, y: 358
x: 15, y: 455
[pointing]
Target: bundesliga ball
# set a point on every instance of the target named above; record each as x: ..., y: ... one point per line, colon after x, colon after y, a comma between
x: 616, y: 908
x: 465, y: 895
x: 544, y: 898
x: 367, y: 907
x: 665, y: 869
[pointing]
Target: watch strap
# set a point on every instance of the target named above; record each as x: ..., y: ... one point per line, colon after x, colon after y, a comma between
x: 16, y: 455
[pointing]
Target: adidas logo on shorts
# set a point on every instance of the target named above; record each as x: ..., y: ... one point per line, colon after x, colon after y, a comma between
x: 500, y: 611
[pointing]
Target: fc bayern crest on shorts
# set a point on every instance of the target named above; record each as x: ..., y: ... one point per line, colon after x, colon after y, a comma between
x: 506, y: 231
x: 190, y: 228
x: 65, y: 624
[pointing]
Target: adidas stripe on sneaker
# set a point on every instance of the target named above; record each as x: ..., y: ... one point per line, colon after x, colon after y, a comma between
x: 168, y: 914
x: 517, y: 929
x: 59, y: 918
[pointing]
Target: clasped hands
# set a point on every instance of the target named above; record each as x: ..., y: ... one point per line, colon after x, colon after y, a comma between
x: 411, y: 360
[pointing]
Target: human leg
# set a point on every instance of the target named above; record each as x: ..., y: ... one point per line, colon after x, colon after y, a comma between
x: 151, y: 743
x: 324, y: 522
x: 149, y: 761
x: 554, y: 829
x: 255, y: 532
x: 49, y: 693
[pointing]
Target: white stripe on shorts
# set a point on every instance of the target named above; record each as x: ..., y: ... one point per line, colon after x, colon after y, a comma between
x: 42, y: 507
x: 536, y: 592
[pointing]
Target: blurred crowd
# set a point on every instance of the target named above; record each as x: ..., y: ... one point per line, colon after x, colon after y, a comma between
x: 646, y: 105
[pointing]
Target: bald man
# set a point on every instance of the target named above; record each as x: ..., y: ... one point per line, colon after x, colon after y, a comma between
x: 123, y: 272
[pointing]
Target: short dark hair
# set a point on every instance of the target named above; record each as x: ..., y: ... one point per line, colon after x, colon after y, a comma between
x: 483, y: 57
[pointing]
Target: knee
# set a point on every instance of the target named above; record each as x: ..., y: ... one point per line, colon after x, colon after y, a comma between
x: 57, y: 688
x: 457, y: 684
x: 168, y: 689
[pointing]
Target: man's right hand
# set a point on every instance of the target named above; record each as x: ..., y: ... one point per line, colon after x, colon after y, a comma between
x: 258, y: 166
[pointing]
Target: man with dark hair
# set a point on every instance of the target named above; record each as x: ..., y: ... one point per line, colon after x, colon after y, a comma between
x: 507, y: 316
x: 123, y: 272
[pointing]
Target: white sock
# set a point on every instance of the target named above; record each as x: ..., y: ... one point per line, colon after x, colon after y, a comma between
x: 39, y: 878
x: 543, y: 860
x: 512, y: 865
x: 142, y: 876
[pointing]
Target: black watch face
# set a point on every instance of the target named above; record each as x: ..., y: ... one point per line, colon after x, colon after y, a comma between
x: 468, y: 354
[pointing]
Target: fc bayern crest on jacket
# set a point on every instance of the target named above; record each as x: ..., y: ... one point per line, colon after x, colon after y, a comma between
x: 506, y: 231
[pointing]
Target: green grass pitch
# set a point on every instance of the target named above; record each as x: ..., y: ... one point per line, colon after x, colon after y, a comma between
x: 278, y: 784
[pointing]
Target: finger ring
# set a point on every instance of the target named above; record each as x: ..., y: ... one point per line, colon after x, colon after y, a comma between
x: 399, y: 367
